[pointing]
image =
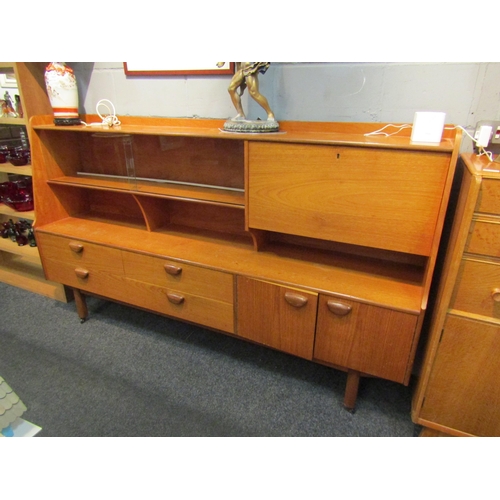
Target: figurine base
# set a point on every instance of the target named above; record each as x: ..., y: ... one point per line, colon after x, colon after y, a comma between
x: 67, y: 121
x: 251, y: 126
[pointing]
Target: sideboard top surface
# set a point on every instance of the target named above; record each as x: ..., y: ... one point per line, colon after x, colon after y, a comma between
x: 329, y: 133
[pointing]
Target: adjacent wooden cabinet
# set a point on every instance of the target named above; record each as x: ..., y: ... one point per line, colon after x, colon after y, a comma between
x: 21, y: 265
x: 458, y: 393
x: 319, y: 241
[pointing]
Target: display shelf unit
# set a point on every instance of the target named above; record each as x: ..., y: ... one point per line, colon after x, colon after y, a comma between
x: 319, y: 241
x: 21, y: 266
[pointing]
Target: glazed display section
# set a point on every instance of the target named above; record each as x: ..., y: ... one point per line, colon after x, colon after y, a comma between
x: 458, y: 393
x: 318, y: 240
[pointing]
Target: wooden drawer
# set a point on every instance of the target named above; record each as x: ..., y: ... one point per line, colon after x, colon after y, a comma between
x: 489, y: 197
x: 182, y: 277
x: 180, y: 304
x: 478, y: 288
x: 86, y: 266
x: 97, y: 280
x: 484, y: 238
x: 76, y: 252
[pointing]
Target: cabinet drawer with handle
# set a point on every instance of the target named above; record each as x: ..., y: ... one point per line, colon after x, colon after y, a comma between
x: 180, y: 304
x: 478, y: 288
x: 484, y: 238
x: 90, y: 278
x: 80, y: 253
x: 167, y: 273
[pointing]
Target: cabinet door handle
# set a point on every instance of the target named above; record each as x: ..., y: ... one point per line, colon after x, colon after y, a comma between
x: 76, y: 247
x: 81, y: 273
x: 175, y: 298
x: 338, y: 308
x: 295, y: 299
x: 172, y: 269
x: 495, y: 294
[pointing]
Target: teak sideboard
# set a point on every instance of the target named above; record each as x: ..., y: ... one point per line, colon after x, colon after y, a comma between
x: 318, y: 240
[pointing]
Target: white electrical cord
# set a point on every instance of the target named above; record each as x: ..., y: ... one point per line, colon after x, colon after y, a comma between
x: 108, y: 120
x: 379, y: 131
x: 481, y: 150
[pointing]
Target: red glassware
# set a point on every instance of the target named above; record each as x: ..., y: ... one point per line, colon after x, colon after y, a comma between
x: 20, y: 202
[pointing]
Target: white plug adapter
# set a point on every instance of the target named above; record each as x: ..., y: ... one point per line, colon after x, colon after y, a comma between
x: 483, y: 136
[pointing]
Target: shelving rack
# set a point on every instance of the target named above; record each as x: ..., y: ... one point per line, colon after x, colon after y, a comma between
x: 21, y: 265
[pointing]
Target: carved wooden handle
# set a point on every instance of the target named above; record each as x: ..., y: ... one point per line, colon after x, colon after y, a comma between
x: 295, y: 299
x: 175, y: 298
x: 76, y: 247
x: 172, y: 269
x: 338, y: 308
x: 495, y: 294
x: 81, y: 273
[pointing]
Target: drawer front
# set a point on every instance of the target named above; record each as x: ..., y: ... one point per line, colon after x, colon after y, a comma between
x: 80, y: 253
x: 86, y: 266
x: 484, y: 238
x: 95, y: 279
x: 478, y: 289
x: 179, y: 304
x: 182, y: 277
x: 365, y: 338
x: 489, y: 197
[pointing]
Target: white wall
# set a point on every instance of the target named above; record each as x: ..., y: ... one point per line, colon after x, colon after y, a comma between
x: 172, y: 96
x: 366, y: 92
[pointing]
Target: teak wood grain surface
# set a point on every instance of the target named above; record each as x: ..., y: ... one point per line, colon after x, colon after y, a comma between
x: 320, y: 240
x: 457, y: 393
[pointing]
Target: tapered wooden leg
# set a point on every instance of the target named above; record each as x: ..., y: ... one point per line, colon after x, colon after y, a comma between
x: 351, y: 390
x: 81, y: 304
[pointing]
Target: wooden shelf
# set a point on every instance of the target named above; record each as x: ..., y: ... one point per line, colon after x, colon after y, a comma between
x: 163, y: 189
x: 27, y: 252
x: 13, y: 121
x: 10, y: 212
x: 8, y: 168
x: 21, y: 272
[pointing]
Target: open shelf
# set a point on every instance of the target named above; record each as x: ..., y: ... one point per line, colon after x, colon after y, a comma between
x: 165, y: 189
x: 8, y: 168
x: 29, y: 253
x: 10, y: 212
x: 24, y: 272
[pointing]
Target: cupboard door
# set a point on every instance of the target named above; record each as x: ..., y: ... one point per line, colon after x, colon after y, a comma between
x: 277, y: 316
x: 463, y: 391
x: 365, y: 338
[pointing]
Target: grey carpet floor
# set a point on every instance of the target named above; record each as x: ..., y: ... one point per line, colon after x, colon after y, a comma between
x: 127, y: 372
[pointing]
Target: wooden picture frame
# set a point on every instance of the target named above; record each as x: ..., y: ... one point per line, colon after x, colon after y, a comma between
x: 159, y: 68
